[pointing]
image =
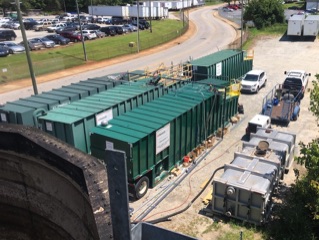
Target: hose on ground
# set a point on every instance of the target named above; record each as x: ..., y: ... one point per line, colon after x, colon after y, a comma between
x: 166, y: 218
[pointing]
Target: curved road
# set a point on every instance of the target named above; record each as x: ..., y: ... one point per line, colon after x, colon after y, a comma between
x: 211, y: 35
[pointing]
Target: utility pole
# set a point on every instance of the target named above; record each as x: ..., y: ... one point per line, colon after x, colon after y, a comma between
x: 138, y: 26
x: 82, y: 38
x: 241, y: 25
x: 27, y: 50
x: 150, y: 15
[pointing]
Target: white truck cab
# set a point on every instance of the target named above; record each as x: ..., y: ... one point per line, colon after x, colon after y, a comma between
x: 258, y: 121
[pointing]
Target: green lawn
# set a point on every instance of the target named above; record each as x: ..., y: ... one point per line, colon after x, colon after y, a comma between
x: 15, y: 67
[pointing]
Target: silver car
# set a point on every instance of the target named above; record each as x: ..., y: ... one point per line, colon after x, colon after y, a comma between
x: 48, y: 43
x: 13, y: 47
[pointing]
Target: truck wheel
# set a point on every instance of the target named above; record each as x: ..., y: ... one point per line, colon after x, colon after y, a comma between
x: 141, y: 187
x: 257, y: 90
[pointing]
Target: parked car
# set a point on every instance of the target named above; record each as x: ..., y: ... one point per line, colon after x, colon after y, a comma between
x: 90, y: 27
x: 58, y: 39
x: 73, y: 36
x: 233, y: 6
x: 34, y: 44
x: 13, y: 47
x: 102, y: 20
x: 29, y: 25
x: 54, y: 27
x: 6, y: 35
x: 108, y: 31
x: 89, y: 34
x: 253, y: 81
x: 227, y: 9
x: 4, y: 51
x: 15, y: 25
x: 140, y: 26
x: 48, y: 43
x: 100, y: 34
x: 118, y: 21
x: 130, y: 27
x: 118, y: 29
x: 42, y: 26
x: 66, y: 29
x: 145, y: 23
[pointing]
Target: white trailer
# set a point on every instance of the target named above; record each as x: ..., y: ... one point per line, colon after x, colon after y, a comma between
x: 114, y: 11
x: 145, y: 12
x: 311, y: 26
x: 295, y: 25
x: 177, y: 5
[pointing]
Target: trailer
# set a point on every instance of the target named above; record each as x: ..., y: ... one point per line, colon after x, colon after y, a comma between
x: 295, y: 25
x: 158, y: 135
x: 311, y: 26
x: 281, y: 107
x: 111, y: 11
x: 146, y: 12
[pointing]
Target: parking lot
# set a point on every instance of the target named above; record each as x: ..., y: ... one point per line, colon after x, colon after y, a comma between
x: 42, y: 33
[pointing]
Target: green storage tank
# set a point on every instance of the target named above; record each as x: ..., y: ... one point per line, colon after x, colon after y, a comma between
x: 72, y: 129
x: 225, y: 64
x: 157, y: 135
x: 12, y: 113
x: 71, y: 96
x: 96, y: 110
x: 82, y: 93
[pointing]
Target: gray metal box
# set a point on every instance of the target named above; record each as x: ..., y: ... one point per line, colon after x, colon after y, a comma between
x: 245, y: 189
x: 279, y: 136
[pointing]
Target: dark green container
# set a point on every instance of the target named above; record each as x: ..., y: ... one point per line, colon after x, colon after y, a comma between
x: 98, y: 109
x: 12, y: 113
x: 157, y: 135
x: 71, y: 96
x: 225, y: 64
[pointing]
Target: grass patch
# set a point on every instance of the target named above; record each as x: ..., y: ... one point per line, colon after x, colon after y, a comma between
x: 255, y: 34
x: 299, y: 5
x: 50, y: 60
x: 215, y: 226
x: 237, y: 229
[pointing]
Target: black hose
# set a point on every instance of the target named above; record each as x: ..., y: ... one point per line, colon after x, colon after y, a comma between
x: 166, y: 218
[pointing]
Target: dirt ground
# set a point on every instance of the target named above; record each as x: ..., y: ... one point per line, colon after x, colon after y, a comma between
x: 274, y: 54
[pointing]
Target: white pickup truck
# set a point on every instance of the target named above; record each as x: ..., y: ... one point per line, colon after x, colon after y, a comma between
x: 295, y: 83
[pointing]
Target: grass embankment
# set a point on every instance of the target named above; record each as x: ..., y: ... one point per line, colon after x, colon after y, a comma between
x: 47, y: 61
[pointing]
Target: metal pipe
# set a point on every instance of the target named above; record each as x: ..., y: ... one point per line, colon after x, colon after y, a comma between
x: 27, y: 50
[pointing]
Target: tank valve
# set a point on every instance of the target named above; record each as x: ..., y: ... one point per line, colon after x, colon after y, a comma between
x: 230, y: 191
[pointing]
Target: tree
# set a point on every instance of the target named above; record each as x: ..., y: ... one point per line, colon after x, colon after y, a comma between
x: 314, y: 98
x: 299, y: 215
x: 264, y: 13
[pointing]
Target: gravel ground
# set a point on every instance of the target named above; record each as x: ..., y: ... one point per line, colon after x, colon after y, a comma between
x: 275, y: 55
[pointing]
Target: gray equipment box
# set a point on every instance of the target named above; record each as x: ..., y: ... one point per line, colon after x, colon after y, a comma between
x: 282, y: 137
x: 244, y: 191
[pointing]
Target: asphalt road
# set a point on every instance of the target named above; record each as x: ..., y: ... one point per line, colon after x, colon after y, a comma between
x: 211, y: 35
